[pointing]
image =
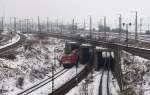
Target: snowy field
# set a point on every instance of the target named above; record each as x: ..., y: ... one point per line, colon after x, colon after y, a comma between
x: 31, y: 64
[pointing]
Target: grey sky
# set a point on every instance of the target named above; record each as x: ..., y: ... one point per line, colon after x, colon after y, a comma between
x: 80, y: 9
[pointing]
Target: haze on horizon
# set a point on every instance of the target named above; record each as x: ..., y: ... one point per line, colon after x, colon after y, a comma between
x: 78, y: 9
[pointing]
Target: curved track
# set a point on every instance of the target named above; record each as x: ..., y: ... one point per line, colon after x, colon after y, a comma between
x: 6, y: 38
x: 15, y: 45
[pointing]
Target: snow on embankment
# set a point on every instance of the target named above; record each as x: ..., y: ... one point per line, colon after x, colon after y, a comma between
x: 46, y: 89
x: 136, y: 74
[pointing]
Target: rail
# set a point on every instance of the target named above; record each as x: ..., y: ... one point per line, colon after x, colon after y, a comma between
x: 106, y: 66
x: 12, y: 46
x: 73, y: 82
x: 42, y: 83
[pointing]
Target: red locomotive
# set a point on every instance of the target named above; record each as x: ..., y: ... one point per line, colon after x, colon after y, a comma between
x: 69, y: 60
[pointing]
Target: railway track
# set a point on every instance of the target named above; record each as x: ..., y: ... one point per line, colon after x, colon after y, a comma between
x: 5, y: 39
x: 12, y: 46
x: 104, y: 84
x: 42, y: 83
x: 73, y: 82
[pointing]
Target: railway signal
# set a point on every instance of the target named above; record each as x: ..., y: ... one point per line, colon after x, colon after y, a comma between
x: 120, y: 26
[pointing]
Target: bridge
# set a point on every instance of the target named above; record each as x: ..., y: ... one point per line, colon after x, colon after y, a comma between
x: 138, y: 51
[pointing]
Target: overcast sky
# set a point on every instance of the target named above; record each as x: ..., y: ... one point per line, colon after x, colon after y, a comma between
x: 78, y: 9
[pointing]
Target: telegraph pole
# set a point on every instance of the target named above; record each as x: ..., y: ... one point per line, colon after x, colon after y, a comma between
x: 136, y: 35
x: 47, y: 24
x: 148, y: 27
x: 84, y: 27
x: 127, y: 34
x: 53, y: 70
x: 57, y: 25
x: 99, y: 29
x: 2, y: 24
x: 32, y: 25
x: 27, y: 21
x: 73, y: 24
x: 61, y: 27
x: 90, y: 27
x: 141, y: 21
x: 39, y: 26
x: 10, y: 24
x: 51, y: 27
x: 20, y: 25
x: 105, y: 27
x: 120, y: 26
x: 14, y: 24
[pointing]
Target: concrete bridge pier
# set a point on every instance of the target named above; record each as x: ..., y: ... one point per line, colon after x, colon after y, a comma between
x: 98, y: 58
x: 117, y: 72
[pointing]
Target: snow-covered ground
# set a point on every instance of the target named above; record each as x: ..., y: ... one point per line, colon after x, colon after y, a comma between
x: 32, y: 65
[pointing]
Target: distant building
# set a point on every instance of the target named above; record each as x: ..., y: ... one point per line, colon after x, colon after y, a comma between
x: 101, y: 28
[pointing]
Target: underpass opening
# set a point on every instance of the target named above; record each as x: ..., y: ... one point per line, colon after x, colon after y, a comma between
x: 102, y: 55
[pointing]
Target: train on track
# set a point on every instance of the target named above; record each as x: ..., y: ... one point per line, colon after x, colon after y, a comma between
x: 71, y: 59
x: 75, y: 53
x: 71, y: 55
